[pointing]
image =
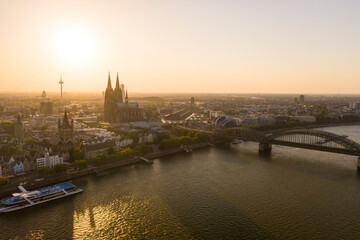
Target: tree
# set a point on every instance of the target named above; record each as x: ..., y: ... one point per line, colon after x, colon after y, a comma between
x: 126, y: 153
x: 76, y: 154
x: 169, y: 143
x: 34, y: 151
x: 142, y: 150
x: 80, y: 164
x: 31, y: 141
x: 45, y: 171
x: 4, y: 181
x: 186, y: 140
x: 8, y: 126
x: 58, y: 168
x: 10, y: 149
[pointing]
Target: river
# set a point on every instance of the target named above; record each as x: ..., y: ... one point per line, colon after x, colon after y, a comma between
x: 227, y: 192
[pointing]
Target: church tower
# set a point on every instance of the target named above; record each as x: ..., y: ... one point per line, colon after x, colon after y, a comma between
x: 66, y: 133
x: 109, y: 102
x: 19, y: 128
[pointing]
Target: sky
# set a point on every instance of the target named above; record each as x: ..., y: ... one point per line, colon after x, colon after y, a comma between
x: 187, y: 46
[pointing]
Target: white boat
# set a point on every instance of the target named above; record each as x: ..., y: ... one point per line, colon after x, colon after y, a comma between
x: 236, y: 141
x: 26, y: 198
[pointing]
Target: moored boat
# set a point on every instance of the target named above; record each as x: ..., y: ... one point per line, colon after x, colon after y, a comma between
x: 26, y: 198
x: 236, y: 141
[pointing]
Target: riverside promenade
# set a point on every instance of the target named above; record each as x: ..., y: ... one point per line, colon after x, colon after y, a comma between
x: 63, y: 177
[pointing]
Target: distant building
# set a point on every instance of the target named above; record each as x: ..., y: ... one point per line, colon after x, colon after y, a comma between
x: 354, y: 105
x: 215, y: 114
x: 46, y: 106
x: 117, y: 107
x: 302, y: 98
x: 19, y: 128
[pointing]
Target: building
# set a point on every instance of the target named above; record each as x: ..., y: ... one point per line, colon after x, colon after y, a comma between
x: 65, y: 133
x: 18, y: 168
x: 117, y: 108
x: 302, y: 98
x: 19, y: 128
x: 147, y: 138
x: 97, y: 148
x: 46, y: 106
x: 49, y: 161
x: 124, y: 142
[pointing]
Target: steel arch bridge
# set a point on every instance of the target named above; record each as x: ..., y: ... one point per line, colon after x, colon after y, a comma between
x: 299, y: 138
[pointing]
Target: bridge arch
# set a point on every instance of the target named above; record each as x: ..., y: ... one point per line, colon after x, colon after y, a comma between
x: 314, y: 137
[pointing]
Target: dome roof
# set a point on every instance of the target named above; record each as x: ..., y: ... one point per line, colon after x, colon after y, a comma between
x: 225, y: 122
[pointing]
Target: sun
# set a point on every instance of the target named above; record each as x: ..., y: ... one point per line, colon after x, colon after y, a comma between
x: 74, y: 46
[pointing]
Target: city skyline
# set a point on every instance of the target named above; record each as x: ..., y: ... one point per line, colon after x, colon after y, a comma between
x: 173, y: 47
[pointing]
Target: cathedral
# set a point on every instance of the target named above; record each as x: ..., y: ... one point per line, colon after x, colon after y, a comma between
x: 117, y: 108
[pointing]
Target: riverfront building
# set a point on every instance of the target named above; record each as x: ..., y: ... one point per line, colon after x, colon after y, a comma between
x: 49, y: 161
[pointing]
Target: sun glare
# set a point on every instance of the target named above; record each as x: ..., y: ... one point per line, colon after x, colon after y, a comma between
x: 74, y: 46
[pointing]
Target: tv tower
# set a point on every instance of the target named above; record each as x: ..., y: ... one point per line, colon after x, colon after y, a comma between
x: 61, y: 83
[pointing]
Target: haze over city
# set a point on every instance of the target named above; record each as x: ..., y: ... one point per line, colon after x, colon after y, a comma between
x: 181, y: 46
x: 191, y: 119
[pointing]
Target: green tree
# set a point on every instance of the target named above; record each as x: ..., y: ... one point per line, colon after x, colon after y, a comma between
x: 185, y: 140
x: 76, y: 154
x: 142, y: 150
x: 58, y: 168
x: 45, y: 171
x: 10, y: 149
x: 169, y: 143
x: 126, y: 153
x: 80, y: 164
x: 8, y: 127
x: 4, y: 181
x: 31, y: 141
x: 34, y: 151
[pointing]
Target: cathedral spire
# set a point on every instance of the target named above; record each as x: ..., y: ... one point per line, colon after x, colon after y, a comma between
x: 117, y: 81
x: 109, y: 82
x: 126, y: 97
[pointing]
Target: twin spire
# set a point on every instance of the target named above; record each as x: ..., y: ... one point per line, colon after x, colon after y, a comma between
x: 117, y: 82
x: 118, y: 92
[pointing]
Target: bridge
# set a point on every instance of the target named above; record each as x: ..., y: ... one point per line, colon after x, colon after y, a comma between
x: 297, y: 137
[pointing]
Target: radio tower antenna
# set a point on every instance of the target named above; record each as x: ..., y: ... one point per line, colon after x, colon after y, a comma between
x: 61, y: 83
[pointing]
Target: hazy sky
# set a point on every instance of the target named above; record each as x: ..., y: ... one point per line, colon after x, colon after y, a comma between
x: 234, y: 46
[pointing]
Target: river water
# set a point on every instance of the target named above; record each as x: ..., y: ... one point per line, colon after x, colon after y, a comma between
x: 227, y: 192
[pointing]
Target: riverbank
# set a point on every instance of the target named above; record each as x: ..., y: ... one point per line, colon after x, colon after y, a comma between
x: 9, y: 189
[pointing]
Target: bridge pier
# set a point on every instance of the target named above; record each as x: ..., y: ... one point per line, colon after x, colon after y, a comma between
x: 265, y: 147
x: 358, y: 164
